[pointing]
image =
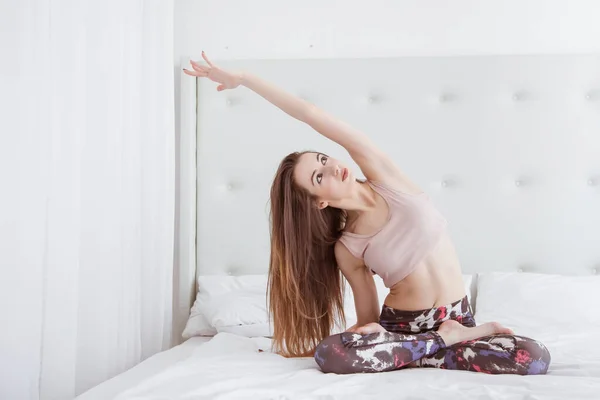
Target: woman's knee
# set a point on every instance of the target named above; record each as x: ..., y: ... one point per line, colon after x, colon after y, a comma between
x: 333, y: 355
x: 532, y: 355
x: 327, y: 352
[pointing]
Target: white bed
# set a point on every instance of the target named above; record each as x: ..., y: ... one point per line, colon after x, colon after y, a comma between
x: 507, y: 146
x: 143, y: 371
x: 231, y: 367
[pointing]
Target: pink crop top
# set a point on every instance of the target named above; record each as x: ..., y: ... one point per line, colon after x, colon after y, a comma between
x: 413, y: 229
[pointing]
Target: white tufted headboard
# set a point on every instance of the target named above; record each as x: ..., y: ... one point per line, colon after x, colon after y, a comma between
x: 507, y: 146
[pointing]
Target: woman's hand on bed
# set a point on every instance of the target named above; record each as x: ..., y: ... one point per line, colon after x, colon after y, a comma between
x: 227, y: 80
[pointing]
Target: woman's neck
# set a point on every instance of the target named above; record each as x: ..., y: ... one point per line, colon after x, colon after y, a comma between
x: 362, y: 200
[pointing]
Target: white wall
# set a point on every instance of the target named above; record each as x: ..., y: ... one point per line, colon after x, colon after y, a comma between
x: 350, y: 28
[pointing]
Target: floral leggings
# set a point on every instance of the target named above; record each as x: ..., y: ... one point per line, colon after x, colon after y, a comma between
x: 411, y: 341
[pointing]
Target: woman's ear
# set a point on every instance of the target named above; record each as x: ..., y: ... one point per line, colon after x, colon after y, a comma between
x: 322, y: 204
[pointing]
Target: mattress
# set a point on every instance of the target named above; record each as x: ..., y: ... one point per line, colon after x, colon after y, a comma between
x: 234, y: 367
x: 154, y: 365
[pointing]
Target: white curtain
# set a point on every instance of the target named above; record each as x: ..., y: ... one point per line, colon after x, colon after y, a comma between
x: 87, y: 164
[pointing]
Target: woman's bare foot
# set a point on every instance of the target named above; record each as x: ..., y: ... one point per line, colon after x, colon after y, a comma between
x: 453, y: 332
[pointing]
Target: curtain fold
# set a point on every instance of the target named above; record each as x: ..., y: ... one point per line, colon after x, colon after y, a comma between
x: 88, y: 179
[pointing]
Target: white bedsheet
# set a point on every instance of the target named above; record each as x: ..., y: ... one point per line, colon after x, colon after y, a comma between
x: 143, y: 371
x: 231, y: 367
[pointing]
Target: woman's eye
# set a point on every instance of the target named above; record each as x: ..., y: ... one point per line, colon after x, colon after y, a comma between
x: 319, y: 177
x: 323, y: 160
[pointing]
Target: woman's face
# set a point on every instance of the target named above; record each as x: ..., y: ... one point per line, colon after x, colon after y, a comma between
x: 324, y: 177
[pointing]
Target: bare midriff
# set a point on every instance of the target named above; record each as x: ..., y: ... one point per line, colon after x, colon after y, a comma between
x: 436, y: 281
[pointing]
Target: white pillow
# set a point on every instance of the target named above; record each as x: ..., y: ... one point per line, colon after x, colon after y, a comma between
x: 238, y: 304
x: 470, y: 287
x: 197, y: 324
x: 531, y: 304
x: 241, y: 306
x: 227, y: 303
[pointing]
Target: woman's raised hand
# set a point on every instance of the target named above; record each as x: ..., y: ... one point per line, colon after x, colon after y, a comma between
x: 226, y: 79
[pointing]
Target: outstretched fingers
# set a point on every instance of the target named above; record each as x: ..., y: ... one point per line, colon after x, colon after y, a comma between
x: 194, y: 73
x: 198, y: 70
x: 206, y: 59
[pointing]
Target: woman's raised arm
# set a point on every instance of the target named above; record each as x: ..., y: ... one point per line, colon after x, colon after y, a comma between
x: 373, y: 162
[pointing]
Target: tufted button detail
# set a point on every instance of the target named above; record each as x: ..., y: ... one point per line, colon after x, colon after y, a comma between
x: 374, y: 99
x: 518, y: 183
x: 448, y: 182
x: 447, y: 97
x: 231, y: 186
x: 230, y: 269
x: 232, y: 101
x: 518, y: 96
x: 591, y: 182
x: 595, y: 271
x: 520, y: 269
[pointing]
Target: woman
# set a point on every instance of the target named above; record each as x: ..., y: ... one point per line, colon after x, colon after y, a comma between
x: 325, y: 224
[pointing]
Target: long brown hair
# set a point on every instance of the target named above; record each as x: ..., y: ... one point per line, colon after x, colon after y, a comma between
x: 305, y: 285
